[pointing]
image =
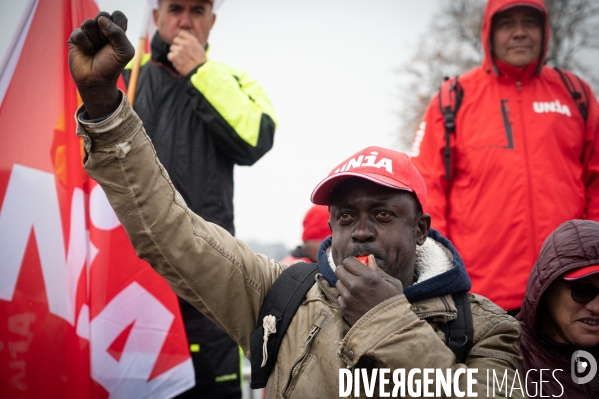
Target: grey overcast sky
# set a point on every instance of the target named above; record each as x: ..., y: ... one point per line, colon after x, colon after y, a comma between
x: 329, y: 68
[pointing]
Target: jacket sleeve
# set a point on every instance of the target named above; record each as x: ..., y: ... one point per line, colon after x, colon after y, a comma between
x: 408, y: 342
x: 202, y: 262
x: 590, y: 160
x: 236, y: 110
x: 427, y: 156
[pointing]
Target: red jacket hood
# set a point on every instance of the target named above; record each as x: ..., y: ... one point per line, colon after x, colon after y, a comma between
x: 495, y: 6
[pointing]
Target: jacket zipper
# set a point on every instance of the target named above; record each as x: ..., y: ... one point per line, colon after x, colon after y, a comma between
x: 531, y: 212
x: 446, y: 304
x: 505, y: 110
x: 295, y: 371
x: 313, y: 332
x: 438, y: 314
x: 326, y: 293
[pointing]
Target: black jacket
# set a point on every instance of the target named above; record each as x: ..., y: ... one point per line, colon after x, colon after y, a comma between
x: 201, y: 125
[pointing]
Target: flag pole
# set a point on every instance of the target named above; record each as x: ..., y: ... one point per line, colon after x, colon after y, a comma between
x: 141, y: 46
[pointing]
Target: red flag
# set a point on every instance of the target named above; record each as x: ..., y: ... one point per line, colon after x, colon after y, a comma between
x: 80, y: 315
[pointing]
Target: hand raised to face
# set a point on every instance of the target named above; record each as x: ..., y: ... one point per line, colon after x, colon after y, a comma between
x: 363, y: 287
x: 98, y: 53
x: 186, y: 52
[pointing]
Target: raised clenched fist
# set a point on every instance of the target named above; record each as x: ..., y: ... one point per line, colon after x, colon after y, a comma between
x: 98, y: 53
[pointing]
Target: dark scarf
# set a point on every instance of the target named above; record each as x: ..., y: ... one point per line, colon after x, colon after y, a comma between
x: 159, y: 50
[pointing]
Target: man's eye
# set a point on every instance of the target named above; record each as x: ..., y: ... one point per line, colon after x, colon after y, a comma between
x: 383, y: 215
x: 345, y: 217
x: 505, y: 24
x: 532, y: 23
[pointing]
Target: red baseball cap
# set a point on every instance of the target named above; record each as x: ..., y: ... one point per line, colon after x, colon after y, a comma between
x: 316, y: 226
x: 379, y: 165
x: 581, y: 272
x: 215, y: 3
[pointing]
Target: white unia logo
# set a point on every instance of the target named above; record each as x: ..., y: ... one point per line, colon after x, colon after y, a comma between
x: 415, y: 150
x: 368, y: 160
x: 553, y: 106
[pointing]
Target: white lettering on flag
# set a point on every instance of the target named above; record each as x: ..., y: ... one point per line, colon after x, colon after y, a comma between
x: 127, y: 377
x: 23, y: 212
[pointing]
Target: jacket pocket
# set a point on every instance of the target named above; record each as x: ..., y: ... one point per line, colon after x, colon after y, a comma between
x: 505, y: 113
x: 308, y: 344
x: 494, y: 132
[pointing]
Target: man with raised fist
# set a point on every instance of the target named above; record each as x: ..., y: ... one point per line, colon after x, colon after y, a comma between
x: 406, y: 311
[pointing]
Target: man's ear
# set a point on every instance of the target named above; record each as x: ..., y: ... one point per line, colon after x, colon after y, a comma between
x: 423, y: 224
x: 155, y: 16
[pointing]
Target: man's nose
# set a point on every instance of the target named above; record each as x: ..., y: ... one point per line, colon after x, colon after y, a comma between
x: 363, y: 231
x: 185, y: 20
x: 519, y: 30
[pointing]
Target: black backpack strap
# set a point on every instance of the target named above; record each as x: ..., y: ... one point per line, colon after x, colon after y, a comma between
x: 576, y: 90
x: 282, y: 301
x: 450, y: 99
x: 459, y: 333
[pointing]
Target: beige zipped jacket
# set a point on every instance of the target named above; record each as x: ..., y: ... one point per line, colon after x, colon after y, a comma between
x: 223, y: 278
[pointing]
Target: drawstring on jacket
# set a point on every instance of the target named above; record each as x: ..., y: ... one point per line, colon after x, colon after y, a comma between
x: 270, y: 327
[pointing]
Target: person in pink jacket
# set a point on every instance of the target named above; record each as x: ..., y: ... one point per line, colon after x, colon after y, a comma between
x: 522, y: 157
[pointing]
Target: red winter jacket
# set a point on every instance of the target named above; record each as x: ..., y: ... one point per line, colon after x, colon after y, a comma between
x: 517, y: 173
